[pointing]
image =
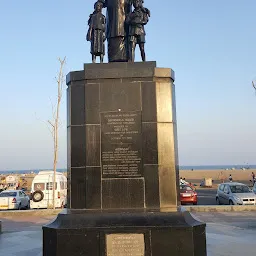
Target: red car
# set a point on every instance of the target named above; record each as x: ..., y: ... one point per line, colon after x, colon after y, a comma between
x: 187, y: 195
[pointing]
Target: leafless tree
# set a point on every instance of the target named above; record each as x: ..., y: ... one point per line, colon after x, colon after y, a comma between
x: 55, y: 122
x: 254, y: 85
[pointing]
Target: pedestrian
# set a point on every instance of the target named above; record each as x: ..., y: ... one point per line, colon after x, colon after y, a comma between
x: 230, y: 178
x: 253, y: 178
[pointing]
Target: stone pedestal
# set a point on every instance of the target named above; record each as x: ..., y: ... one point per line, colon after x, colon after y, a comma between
x: 123, y: 188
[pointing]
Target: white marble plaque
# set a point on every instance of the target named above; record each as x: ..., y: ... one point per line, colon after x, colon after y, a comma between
x: 125, y: 244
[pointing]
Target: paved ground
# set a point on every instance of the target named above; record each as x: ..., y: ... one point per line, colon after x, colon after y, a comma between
x: 22, y: 236
x: 228, y: 234
x: 206, y: 196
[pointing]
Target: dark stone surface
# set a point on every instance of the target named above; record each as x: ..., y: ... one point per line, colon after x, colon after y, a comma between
x: 119, y: 70
x: 121, y: 144
x: 68, y: 106
x: 78, y: 149
x: 100, y: 205
x: 151, y: 186
x: 73, y: 246
x: 122, y: 193
x: 78, y: 188
x: 93, y: 145
x: 93, y: 187
x: 78, y: 104
x: 123, y: 96
x: 92, y: 103
x: 120, y: 65
x: 75, y: 76
x: 149, y: 143
x: 175, y: 234
x: 148, y: 91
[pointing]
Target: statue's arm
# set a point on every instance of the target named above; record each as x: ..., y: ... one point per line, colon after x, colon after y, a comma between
x: 104, y: 23
x: 89, y: 20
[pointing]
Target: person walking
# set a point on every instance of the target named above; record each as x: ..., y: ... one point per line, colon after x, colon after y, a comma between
x: 230, y: 178
x: 253, y: 178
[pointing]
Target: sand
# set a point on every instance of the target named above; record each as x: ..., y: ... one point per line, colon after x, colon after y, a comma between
x: 196, y: 176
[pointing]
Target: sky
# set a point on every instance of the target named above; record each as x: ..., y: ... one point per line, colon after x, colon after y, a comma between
x: 209, y: 44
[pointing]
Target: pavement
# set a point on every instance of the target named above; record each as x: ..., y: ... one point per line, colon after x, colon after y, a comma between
x: 206, y: 196
x: 22, y: 235
x: 228, y: 234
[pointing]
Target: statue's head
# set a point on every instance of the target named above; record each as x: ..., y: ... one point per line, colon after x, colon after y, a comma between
x: 98, y: 6
x: 137, y: 3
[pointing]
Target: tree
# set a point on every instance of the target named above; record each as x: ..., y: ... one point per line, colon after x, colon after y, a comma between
x: 55, y: 122
x: 254, y: 85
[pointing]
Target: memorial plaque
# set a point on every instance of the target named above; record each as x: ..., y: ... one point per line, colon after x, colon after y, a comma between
x: 125, y: 245
x: 121, y: 144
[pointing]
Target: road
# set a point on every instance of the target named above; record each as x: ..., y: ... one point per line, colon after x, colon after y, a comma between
x: 228, y: 233
x: 206, y: 196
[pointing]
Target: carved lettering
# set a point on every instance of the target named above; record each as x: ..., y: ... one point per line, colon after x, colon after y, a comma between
x: 121, y: 144
x: 125, y: 245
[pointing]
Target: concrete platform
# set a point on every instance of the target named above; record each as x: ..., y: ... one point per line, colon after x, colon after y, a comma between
x: 228, y: 234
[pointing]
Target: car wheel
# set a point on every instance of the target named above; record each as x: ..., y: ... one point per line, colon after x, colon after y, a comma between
x: 231, y: 202
x: 195, y: 203
x: 217, y: 201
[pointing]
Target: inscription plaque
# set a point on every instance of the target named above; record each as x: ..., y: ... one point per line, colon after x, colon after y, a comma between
x: 121, y: 144
x: 125, y: 245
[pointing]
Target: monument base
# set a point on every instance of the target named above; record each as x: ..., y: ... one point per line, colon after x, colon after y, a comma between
x: 81, y: 232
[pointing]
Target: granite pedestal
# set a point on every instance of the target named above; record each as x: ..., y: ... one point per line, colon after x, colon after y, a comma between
x: 123, y: 184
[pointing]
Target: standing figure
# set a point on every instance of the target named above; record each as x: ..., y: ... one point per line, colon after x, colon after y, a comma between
x: 136, y: 21
x: 96, y: 32
x: 253, y: 178
x: 117, y: 29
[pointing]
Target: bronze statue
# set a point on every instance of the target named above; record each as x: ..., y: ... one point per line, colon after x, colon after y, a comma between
x: 136, y: 21
x: 117, y: 29
x: 96, y: 32
x: 125, y: 29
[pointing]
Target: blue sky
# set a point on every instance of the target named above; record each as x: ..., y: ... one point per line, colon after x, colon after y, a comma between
x: 210, y: 45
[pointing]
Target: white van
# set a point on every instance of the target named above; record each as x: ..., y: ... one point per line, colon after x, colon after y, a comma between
x: 42, y: 190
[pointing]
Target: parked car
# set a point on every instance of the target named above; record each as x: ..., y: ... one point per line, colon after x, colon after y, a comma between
x: 187, y: 195
x: 14, y: 200
x: 254, y: 188
x: 42, y: 190
x: 234, y: 193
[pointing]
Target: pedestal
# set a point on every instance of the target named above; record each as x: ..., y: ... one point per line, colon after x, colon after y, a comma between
x: 123, y: 184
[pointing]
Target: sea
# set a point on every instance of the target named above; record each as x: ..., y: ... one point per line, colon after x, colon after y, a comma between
x: 182, y: 167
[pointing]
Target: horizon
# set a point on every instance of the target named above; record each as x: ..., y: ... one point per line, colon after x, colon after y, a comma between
x: 187, y: 166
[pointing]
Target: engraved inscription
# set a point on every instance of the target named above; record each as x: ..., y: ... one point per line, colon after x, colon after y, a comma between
x: 121, y: 144
x: 125, y: 245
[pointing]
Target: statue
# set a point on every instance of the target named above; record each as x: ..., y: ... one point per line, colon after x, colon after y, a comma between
x: 117, y: 29
x: 96, y: 32
x: 136, y: 22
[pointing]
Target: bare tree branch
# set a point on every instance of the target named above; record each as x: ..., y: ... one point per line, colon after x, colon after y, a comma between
x: 49, y: 122
x: 46, y: 123
x: 55, y: 123
x: 253, y: 84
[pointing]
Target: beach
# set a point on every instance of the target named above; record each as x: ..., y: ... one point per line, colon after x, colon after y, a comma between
x: 196, y: 176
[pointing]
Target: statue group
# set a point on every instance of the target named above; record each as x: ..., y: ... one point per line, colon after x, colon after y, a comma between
x: 123, y: 29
